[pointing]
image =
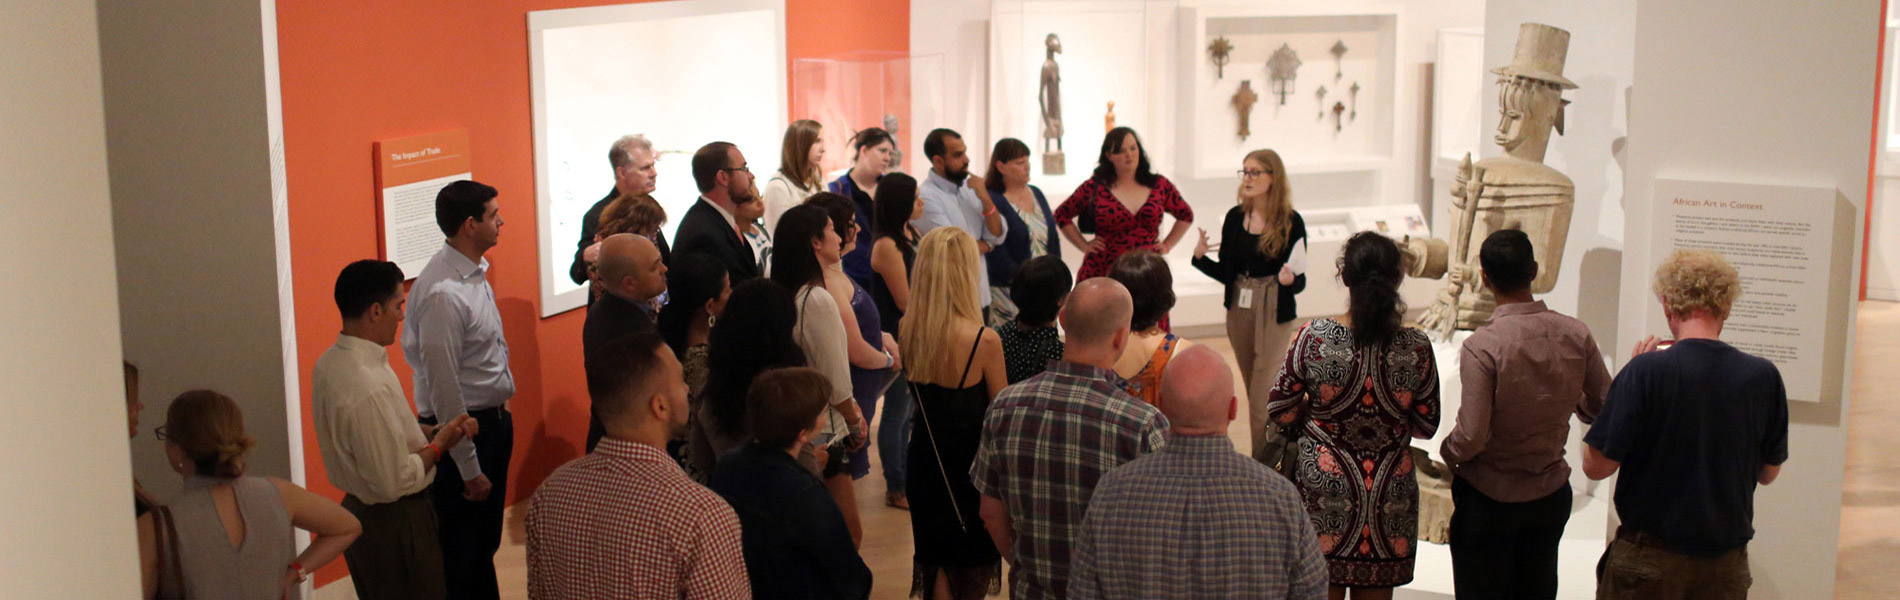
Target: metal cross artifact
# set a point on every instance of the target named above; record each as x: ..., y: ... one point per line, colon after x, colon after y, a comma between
x: 1319, y: 96
x: 1338, y: 107
x: 1354, y: 90
x: 1243, y: 103
x: 1219, y: 52
x: 1281, y: 68
x: 1339, y: 53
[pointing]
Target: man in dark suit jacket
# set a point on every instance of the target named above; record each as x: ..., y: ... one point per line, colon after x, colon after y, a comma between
x: 632, y: 157
x: 633, y: 274
x: 709, y: 226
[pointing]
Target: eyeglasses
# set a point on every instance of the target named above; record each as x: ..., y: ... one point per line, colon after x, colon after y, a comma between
x: 1253, y: 174
x: 160, y: 433
x: 748, y: 170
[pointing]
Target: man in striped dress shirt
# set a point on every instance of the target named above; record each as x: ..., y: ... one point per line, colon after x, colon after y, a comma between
x: 1197, y: 519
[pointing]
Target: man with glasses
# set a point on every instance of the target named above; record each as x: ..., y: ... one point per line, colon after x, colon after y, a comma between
x: 725, y: 183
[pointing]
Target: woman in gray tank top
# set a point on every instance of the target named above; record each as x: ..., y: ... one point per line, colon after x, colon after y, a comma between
x: 233, y: 532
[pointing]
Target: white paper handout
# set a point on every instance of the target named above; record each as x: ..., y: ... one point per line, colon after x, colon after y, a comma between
x: 1297, y: 262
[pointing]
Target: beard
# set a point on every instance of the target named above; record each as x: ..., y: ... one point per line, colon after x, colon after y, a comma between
x: 958, y: 175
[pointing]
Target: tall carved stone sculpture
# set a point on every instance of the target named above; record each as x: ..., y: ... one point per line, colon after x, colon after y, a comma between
x: 1513, y: 191
x: 1049, y: 97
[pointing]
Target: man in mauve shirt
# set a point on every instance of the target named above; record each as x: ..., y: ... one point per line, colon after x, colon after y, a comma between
x: 1524, y: 374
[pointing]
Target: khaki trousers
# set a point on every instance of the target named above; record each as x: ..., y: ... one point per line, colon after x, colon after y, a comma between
x: 1260, y: 343
x: 1637, y: 567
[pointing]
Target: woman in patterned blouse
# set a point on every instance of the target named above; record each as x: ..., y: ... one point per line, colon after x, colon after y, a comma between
x: 1365, y: 385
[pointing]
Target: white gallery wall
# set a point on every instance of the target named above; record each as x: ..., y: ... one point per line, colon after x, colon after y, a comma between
x: 66, y: 525
x: 195, y: 147
x: 1763, y: 92
x: 960, y: 31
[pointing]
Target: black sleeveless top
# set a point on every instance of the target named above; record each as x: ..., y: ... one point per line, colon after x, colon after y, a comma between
x: 887, y: 311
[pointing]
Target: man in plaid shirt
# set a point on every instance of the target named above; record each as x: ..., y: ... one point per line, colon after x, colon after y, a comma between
x: 1049, y: 438
x: 624, y: 521
x: 1250, y: 534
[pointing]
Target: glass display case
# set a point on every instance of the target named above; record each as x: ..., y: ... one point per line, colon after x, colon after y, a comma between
x: 849, y: 92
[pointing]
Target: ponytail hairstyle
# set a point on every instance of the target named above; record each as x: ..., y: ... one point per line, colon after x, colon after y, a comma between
x: 209, y: 428
x: 1369, y: 267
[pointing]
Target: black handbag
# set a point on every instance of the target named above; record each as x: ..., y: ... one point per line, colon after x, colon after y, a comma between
x: 1281, y: 451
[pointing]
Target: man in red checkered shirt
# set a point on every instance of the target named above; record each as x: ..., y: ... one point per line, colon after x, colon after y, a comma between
x: 625, y: 521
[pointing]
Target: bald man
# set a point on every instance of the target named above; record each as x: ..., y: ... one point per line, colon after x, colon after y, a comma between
x: 632, y: 273
x: 1048, y: 439
x: 1232, y: 527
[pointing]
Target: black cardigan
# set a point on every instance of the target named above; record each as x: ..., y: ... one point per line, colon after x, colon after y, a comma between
x: 1240, y: 257
x: 1003, y: 261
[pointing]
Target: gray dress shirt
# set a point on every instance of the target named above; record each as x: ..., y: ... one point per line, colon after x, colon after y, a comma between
x: 452, y: 337
x: 956, y: 204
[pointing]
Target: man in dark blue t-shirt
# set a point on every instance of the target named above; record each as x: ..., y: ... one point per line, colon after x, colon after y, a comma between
x: 1693, y: 429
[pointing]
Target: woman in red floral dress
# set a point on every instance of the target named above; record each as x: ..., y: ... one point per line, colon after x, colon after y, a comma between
x: 1127, y: 200
x: 1365, y: 385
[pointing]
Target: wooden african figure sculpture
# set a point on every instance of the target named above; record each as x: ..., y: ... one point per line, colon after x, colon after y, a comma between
x: 1049, y: 97
x: 1513, y: 191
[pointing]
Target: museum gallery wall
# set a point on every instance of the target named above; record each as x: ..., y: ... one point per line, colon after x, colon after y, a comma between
x: 356, y: 73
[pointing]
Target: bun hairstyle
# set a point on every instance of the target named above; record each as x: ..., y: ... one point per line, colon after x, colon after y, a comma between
x: 1369, y: 267
x: 209, y: 428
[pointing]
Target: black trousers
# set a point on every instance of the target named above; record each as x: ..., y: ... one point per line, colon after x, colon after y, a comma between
x: 1506, y: 550
x: 471, y: 531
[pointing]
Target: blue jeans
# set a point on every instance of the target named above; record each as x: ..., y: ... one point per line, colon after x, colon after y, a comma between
x: 893, y: 433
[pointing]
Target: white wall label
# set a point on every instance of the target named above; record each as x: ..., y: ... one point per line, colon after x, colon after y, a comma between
x: 1781, y: 240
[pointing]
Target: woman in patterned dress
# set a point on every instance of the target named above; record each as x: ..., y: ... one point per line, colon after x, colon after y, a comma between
x: 1126, y: 200
x: 1365, y: 385
x: 1029, y: 223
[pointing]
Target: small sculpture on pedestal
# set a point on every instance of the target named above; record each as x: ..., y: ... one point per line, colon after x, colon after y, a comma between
x: 1243, y: 104
x: 1049, y: 97
x: 1219, y: 52
x: 1282, y: 68
x: 1514, y: 191
x: 897, y: 149
x: 1108, y: 120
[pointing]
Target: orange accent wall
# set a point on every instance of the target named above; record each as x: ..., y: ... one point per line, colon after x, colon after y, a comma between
x: 354, y: 71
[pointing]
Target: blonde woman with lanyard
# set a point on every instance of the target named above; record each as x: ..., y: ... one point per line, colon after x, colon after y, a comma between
x: 1262, y: 263
x: 956, y: 367
x: 798, y: 175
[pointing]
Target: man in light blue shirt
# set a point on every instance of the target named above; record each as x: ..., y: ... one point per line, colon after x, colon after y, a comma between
x: 453, y: 340
x: 954, y: 197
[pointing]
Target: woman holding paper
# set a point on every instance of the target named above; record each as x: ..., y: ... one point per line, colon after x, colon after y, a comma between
x: 1262, y: 261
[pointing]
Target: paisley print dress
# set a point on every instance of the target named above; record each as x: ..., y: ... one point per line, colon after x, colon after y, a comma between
x: 1363, y: 405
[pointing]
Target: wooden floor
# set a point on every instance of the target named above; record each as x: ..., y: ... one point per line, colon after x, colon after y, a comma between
x: 1870, y: 512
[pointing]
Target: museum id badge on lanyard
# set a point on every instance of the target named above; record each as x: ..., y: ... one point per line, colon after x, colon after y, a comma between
x: 1245, y: 298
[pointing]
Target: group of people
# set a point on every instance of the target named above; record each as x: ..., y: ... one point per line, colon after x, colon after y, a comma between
x: 1052, y: 423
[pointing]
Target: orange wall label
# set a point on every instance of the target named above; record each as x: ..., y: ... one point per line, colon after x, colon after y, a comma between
x: 409, y: 172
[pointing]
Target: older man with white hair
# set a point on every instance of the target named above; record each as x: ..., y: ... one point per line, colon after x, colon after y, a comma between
x: 1230, y: 527
x: 635, y: 175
